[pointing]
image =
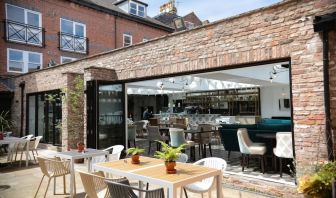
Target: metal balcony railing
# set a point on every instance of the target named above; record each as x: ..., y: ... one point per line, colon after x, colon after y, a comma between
x: 73, y: 43
x: 24, y: 33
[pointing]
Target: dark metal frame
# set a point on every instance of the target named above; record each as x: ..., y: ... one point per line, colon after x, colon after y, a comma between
x: 9, y: 24
x: 71, y: 44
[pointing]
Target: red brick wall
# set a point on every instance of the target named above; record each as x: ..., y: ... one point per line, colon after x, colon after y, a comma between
x: 100, y: 29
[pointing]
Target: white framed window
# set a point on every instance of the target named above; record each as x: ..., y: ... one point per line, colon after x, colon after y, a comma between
x: 72, y: 36
x: 23, y: 25
x: 20, y: 61
x: 65, y: 59
x: 127, y: 40
x: 137, y: 9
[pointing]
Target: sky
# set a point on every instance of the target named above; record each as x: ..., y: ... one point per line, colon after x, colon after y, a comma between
x: 212, y: 10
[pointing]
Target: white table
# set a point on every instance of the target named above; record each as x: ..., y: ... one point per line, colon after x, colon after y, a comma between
x: 13, y: 140
x: 153, y: 171
x: 72, y: 155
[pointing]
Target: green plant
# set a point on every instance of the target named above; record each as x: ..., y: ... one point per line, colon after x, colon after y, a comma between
x: 5, y: 122
x: 134, y: 151
x: 319, y: 184
x: 169, y: 154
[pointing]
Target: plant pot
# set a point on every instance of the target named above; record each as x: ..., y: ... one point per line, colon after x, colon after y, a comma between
x: 1, y: 136
x: 79, y: 161
x: 135, y: 159
x: 170, y: 167
x: 80, y: 147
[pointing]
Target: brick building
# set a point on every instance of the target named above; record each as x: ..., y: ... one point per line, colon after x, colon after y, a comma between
x: 289, y: 31
x: 41, y: 33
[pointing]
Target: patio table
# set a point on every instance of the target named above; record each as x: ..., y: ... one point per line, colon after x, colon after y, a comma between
x: 11, y: 140
x: 72, y: 155
x: 153, y: 171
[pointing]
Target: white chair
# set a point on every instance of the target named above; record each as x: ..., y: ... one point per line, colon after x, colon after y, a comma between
x: 206, y: 185
x: 22, y: 146
x: 33, y: 146
x: 115, y: 155
x: 247, y: 148
x: 183, y: 158
x: 284, y: 147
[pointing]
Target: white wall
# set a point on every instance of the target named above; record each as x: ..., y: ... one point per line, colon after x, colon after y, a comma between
x: 269, y: 99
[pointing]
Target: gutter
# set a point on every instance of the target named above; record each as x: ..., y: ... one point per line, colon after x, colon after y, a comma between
x: 22, y: 86
x: 325, y: 24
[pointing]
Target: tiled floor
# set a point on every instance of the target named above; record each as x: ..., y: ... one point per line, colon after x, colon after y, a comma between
x: 22, y: 182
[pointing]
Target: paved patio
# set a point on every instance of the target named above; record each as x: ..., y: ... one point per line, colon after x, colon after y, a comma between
x: 22, y: 182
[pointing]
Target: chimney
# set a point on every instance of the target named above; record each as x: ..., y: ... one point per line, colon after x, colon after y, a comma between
x: 168, y: 7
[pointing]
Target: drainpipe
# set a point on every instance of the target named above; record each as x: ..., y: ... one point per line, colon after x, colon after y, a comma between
x: 22, y: 86
x: 325, y: 38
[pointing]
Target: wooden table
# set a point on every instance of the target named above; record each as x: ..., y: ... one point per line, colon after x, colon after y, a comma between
x: 72, y: 155
x: 153, y: 171
x: 15, y: 140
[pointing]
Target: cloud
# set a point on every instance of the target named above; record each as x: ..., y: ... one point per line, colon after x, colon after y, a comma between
x: 212, y: 10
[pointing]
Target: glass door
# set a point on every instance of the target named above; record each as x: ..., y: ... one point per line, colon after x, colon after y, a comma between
x: 106, y: 114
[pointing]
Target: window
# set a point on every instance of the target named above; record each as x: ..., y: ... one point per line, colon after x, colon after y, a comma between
x: 23, y: 61
x: 73, y: 36
x: 137, y: 9
x: 65, y: 59
x: 23, y: 25
x: 189, y: 25
x: 127, y: 40
x: 145, y: 39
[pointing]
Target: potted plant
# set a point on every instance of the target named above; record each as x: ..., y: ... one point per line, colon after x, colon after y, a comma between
x: 135, y: 154
x: 320, y: 183
x: 169, y: 155
x: 5, y: 123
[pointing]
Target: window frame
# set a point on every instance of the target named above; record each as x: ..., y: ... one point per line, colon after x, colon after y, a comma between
x: 72, y: 59
x: 137, y: 9
x: 25, y: 13
x: 131, y: 39
x: 25, y: 59
x: 73, y: 27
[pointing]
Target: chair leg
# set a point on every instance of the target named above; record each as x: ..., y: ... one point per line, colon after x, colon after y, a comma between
x: 21, y: 157
x: 247, y: 161
x: 280, y: 164
x: 243, y: 162
x: 209, y: 193
x: 185, y: 192
x: 45, y: 194
x: 34, y: 156
x: 202, y: 195
x: 262, y: 164
x: 210, y: 149
x: 64, y: 185
x: 229, y: 153
x: 39, y: 186
x: 54, y: 185
x: 134, y: 143
x: 204, y: 150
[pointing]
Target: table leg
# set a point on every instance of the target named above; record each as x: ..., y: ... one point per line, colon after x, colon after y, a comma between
x: 172, y: 192
x: 141, y: 187
x: 219, y: 185
x: 72, y: 179
x: 27, y: 154
x: 89, y: 164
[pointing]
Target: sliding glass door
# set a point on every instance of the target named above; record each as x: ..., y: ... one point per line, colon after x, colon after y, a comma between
x: 106, y: 115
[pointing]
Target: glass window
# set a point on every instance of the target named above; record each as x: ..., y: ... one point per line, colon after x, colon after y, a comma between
x: 79, y: 30
x: 133, y: 8
x: 23, y: 61
x: 127, y: 40
x: 141, y: 11
x: 15, y: 13
x: 74, y: 37
x: 33, y: 19
x: 67, y: 59
x: 67, y: 26
x: 137, y: 9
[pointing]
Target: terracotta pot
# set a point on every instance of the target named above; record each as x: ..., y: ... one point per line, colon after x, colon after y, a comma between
x: 79, y: 161
x: 135, y: 159
x: 170, y: 167
x: 80, y: 147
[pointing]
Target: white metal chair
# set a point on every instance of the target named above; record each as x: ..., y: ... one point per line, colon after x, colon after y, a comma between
x: 53, y: 168
x: 284, y: 147
x: 33, y: 146
x: 115, y: 154
x: 206, y: 185
x: 22, y: 146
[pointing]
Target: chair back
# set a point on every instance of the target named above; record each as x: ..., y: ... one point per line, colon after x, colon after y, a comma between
x: 139, y: 127
x: 204, y: 138
x: 116, y: 151
x: 183, y: 158
x: 179, y: 126
x: 131, y: 132
x: 211, y: 162
x: 244, y: 140
x: 93, y: 183
x: 12, y: 147
x: 154, y: 133
x: 53, y: 167
x: 37, y: 141
x: 43, y: 165
x: 176, y: 137
x: 284, y: 145
x: 30, y: 136
x: 121, y: 188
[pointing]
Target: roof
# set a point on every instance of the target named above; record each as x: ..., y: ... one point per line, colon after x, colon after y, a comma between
x: 4, y: 88
x: 110, y: 7
x: 193, y: 18
x: 168, y: 18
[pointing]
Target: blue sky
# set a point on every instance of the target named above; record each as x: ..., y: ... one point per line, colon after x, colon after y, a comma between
x: 210, y: 9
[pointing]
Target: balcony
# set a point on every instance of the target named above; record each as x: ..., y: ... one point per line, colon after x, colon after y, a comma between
x: 73, y: 43
x: 24, y: 33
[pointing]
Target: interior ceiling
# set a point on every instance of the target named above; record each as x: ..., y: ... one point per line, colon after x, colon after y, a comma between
x: 225, y: 79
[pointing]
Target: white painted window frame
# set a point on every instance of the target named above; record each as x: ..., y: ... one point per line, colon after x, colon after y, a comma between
x: 62, y: 57
x: 131, y: 38
x: 25, y: 58
x: 137, y: 9
x: 74, y: 23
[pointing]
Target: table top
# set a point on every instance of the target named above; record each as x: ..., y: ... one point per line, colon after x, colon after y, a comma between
x: 74, y: 154
x: 8, y: 140
x: 153, y: 170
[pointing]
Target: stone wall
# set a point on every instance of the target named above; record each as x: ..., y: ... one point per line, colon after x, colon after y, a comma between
x: 280, y: 32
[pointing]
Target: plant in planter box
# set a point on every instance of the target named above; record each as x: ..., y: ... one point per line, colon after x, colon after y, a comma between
x: 169, y: 155
x: 135, y: 154
x: 319, y: 184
